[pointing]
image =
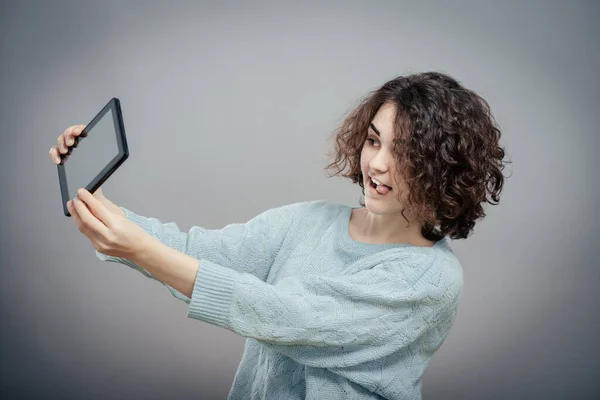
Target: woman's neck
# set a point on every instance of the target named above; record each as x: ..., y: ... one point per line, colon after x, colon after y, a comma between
x: 367, y: 227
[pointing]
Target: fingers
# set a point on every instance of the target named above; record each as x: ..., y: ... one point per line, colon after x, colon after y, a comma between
x: 86, y: 222
x: 97, y: 212
x: 73, y: 211
x: 61, y: 145
x: 68, y: 137
x: 54, y: 155
x: 64, y: 141
x: 71, y: 132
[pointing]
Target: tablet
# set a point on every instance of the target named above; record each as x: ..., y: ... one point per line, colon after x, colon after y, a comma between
x: 96, y: 153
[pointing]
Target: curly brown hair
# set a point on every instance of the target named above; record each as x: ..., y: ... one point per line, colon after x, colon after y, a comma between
x: 446, y: 143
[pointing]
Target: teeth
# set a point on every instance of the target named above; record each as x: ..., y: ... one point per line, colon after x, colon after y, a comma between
x: 375, y: 181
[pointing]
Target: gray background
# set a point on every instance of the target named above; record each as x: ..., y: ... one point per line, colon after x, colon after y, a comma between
x: 228, y: 108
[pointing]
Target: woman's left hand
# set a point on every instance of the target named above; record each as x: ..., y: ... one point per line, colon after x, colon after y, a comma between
x: 110, y: 233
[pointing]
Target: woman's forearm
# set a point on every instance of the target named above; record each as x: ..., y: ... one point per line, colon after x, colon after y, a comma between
x: 168, y: 265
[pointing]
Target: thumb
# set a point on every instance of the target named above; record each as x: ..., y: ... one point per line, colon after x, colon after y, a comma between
x: 96, y: 207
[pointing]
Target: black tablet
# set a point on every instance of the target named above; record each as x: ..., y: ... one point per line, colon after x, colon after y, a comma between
x: 95, y: 154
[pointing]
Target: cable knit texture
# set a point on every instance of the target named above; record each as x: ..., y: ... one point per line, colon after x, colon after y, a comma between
x: 324, y: 316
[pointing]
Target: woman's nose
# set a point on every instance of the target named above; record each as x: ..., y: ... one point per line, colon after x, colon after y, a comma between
x: 379, y: 163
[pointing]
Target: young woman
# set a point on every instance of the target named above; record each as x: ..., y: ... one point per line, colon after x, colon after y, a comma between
x: 336, y: 302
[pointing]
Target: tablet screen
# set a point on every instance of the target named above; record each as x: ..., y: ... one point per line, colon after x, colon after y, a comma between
x: 101, y: 148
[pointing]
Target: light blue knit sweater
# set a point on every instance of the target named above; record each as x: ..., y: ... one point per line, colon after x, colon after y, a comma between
x: 325, y: 316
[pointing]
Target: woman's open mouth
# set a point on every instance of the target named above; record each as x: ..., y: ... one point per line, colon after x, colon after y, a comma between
x: 379, y: 189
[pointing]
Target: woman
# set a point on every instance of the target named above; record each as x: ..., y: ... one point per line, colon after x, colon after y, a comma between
x: 336, y: 302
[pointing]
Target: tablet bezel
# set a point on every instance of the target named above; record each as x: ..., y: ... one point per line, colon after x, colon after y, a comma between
x: 115, y: 105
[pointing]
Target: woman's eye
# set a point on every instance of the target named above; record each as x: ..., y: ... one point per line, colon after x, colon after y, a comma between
x: 372, y: 141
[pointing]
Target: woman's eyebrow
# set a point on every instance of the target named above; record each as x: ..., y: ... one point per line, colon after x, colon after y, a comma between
x: 375, y: 129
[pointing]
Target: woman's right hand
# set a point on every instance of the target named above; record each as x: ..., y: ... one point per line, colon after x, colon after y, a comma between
x: 67, y: 139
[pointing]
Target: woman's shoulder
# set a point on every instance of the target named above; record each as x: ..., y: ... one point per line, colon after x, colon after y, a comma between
x: 419, y: 264
x: 319, y: 208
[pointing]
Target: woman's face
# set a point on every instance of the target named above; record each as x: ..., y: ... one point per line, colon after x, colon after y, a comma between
x: 378, y: 161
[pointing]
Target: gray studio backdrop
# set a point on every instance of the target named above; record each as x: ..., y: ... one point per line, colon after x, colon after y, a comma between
x: 228, y: 108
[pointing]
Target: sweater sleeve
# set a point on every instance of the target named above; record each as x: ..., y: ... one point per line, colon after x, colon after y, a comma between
x: 248, y: 247
x: 329, y: 321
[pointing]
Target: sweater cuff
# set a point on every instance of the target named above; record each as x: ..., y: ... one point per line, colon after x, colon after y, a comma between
x: 213, y: 294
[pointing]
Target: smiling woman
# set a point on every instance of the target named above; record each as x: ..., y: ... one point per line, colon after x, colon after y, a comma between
x: 436, y: 144
x: 336, y: 302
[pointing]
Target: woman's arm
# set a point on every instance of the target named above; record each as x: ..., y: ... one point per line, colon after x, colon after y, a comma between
x: 330, y: 321
x: 245, y: 247
x: 169, y: 266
